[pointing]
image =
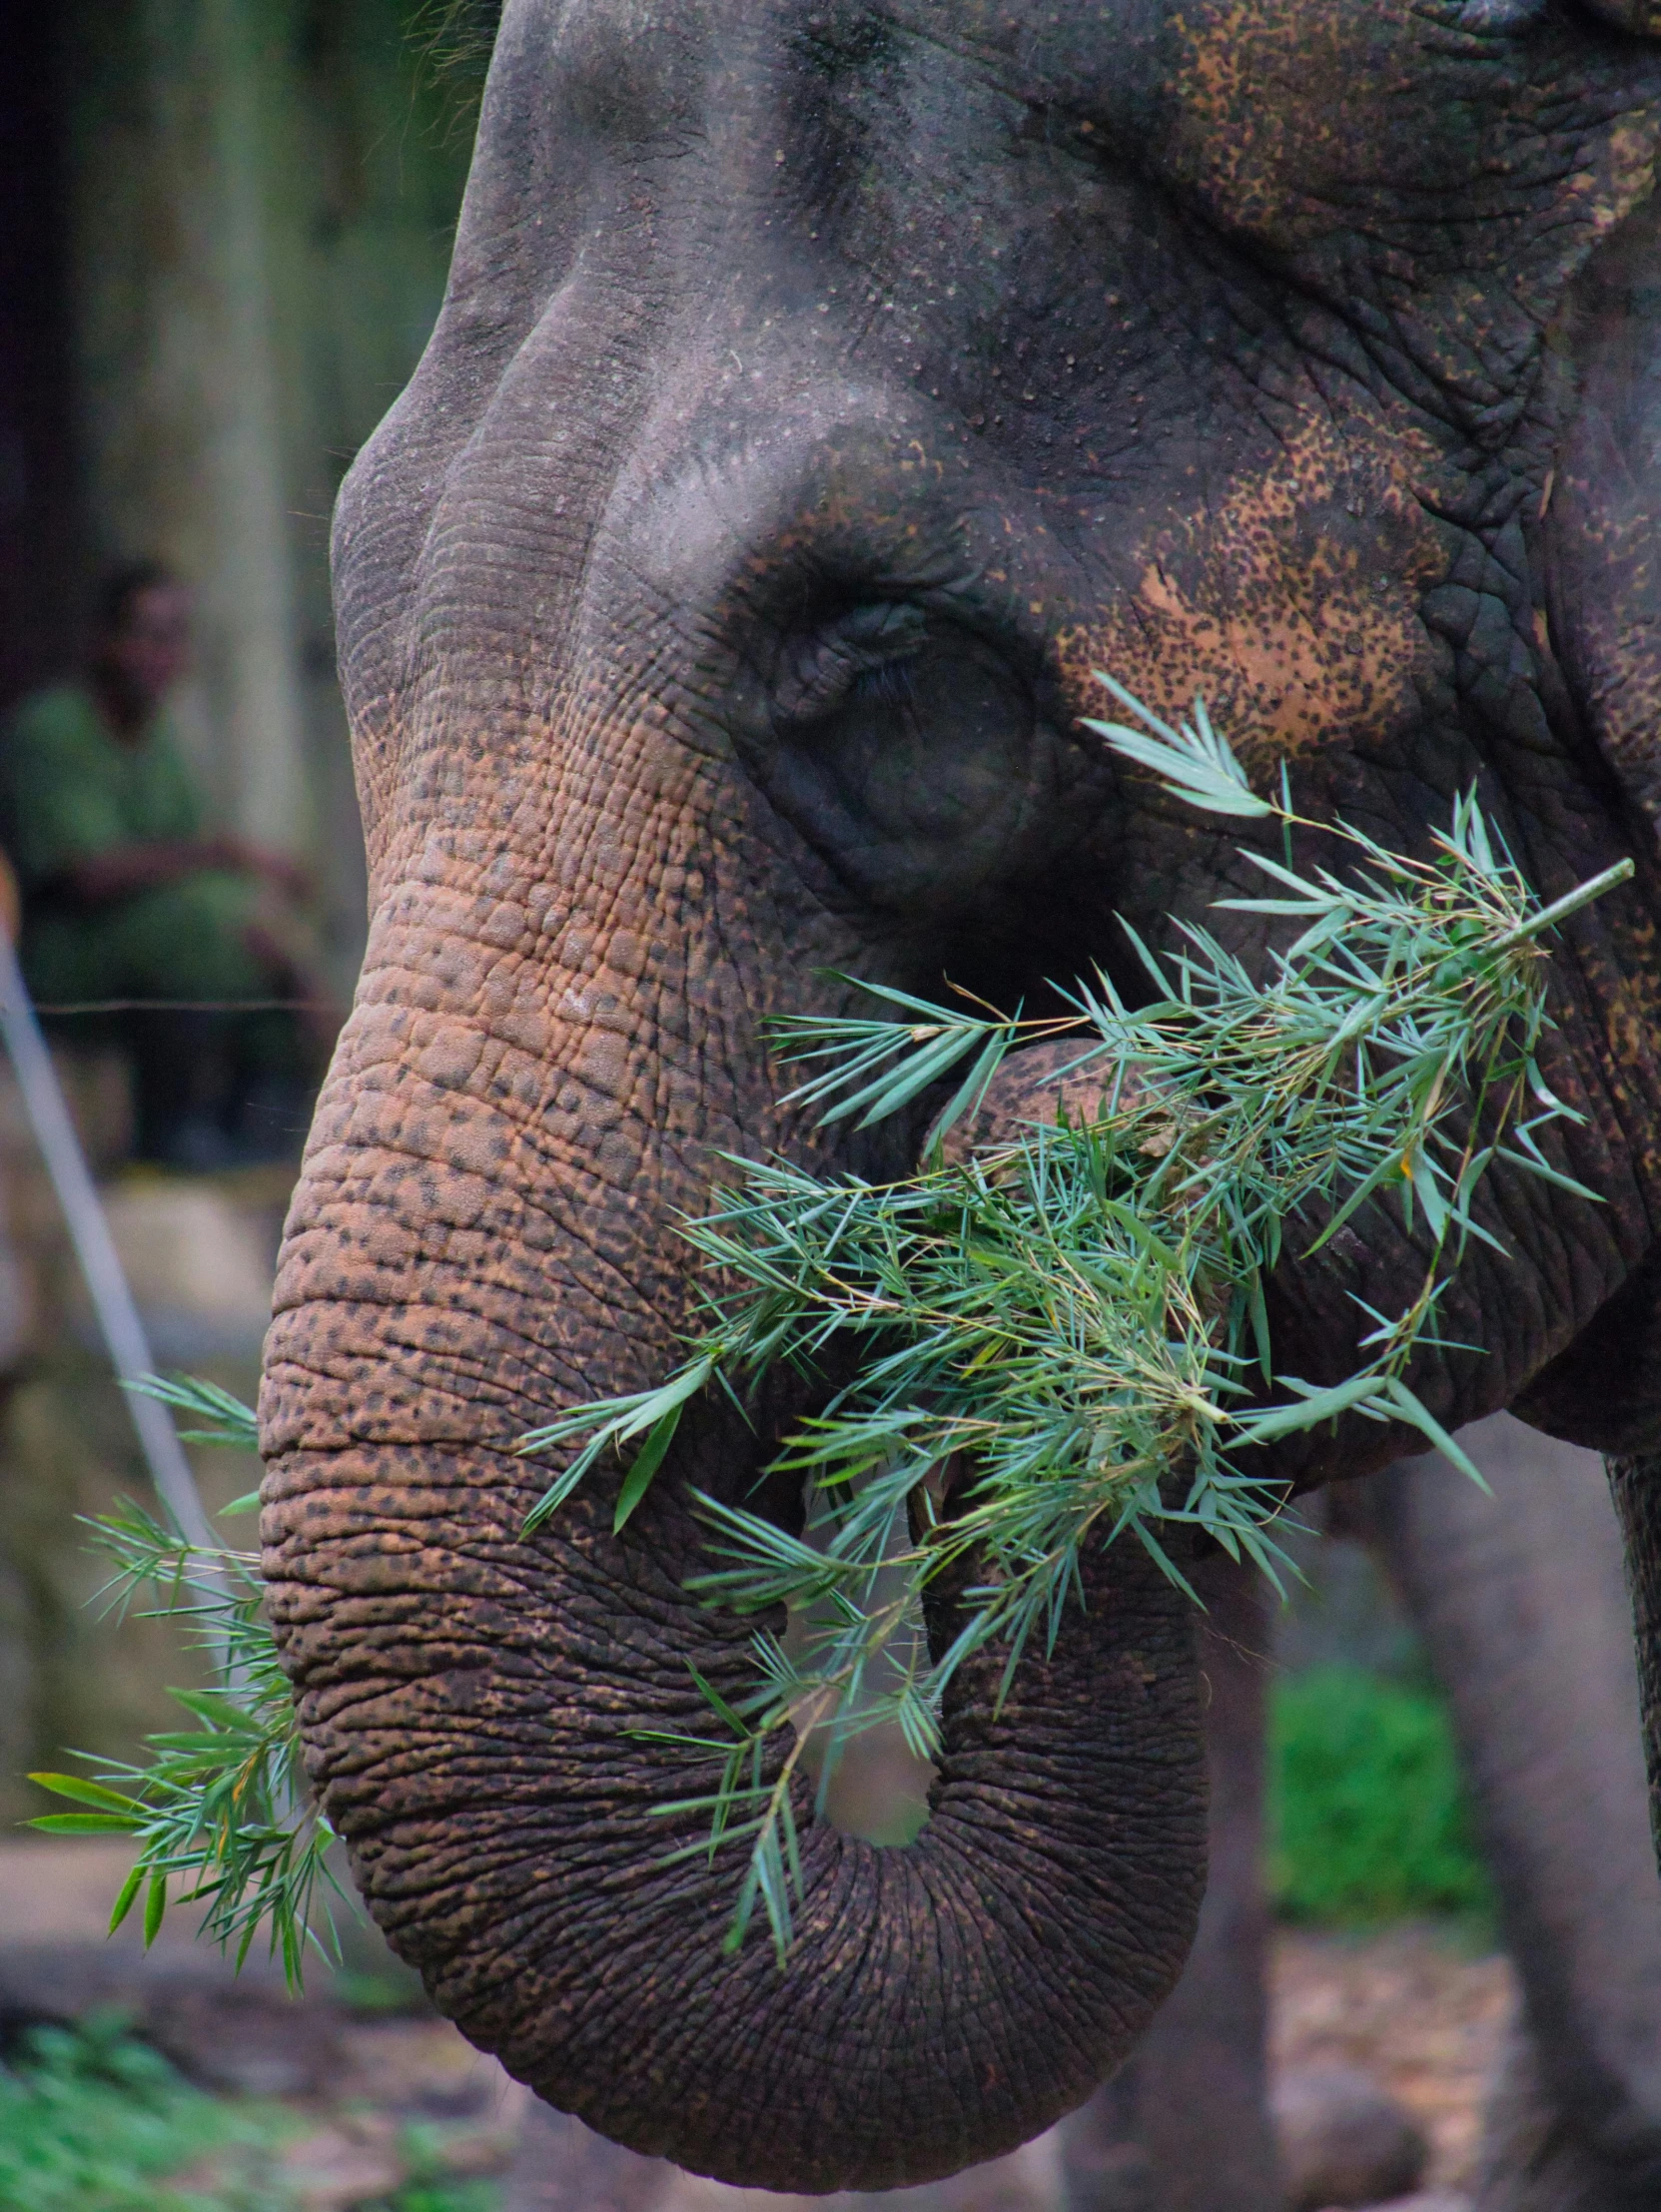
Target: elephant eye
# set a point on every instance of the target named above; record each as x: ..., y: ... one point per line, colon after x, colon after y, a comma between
x: 868, y: 655
x: 905, y: 749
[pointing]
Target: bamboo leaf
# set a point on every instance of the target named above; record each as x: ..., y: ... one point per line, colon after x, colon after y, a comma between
x: 221, y: 1711
x: 1258, y: 1309
x: 898, y: 1085
x: 1413, y: 1411
x: 646, y: 1463
x: 973, y: 1089
x: 234, y: 1424
x: 124, y: 1900
x: 1193, y: 764
x: 1309, y: 1410
x: 82, y: 1791
x: 87, y: 1823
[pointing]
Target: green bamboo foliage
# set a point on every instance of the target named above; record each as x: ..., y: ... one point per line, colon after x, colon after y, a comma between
x: 219, y: 1811
x: 1059, y: 1342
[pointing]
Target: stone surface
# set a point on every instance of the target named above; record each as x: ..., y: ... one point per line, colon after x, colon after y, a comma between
x: 1345, y: 2141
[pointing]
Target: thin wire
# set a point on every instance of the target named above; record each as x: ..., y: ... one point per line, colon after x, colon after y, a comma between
x: 185, y: 1006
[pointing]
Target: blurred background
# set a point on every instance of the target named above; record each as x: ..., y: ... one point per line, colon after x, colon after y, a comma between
x: 226, y: 233
x: 227, y: 230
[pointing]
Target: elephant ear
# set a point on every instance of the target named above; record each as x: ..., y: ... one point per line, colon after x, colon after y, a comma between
x: 1603, y: 513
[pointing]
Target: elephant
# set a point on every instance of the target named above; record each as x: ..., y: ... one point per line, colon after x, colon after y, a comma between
x: 823, y: 390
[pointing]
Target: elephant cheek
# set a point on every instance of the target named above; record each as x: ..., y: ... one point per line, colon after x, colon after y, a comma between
x: 1268, y: 601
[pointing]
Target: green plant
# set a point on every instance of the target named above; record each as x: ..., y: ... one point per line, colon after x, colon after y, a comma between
x: 92, y: 2121
x: 428, y: 2186
x: 219, y: 1810
x: 1368, y: 1814
x: 443, y: 2194
x: 1062, y: 1341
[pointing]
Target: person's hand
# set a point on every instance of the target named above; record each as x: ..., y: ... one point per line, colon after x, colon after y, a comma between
x: 283, y: 944
x: 11, y: 902
x: 290, y: 876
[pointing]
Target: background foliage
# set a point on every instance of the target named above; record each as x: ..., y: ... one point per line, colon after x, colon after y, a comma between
x: 1368, y: 1820
x: 92, y: 2120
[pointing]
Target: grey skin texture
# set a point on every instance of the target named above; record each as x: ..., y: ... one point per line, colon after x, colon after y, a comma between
x: 822, y: 390
x: 1185, y: 2127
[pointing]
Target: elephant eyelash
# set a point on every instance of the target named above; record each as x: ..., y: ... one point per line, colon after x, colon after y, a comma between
x: 868, y: 658
x: 891, y: 684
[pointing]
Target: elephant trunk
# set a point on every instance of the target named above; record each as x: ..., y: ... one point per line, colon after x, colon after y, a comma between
x: 485, y: 1715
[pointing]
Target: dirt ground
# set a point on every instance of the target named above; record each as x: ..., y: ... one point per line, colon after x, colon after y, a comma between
x: 1414, y: 2008
x: 410, y: 2100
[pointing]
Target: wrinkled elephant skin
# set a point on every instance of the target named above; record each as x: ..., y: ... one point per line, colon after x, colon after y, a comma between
x: 822, y: 390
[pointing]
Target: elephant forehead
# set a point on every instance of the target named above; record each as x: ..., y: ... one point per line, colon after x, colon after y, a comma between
x: 1278, y: 111
x: 1205, y: 472
x: 1296, y: 117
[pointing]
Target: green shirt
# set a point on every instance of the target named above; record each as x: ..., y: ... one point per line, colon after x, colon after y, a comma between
x: 71, y: 789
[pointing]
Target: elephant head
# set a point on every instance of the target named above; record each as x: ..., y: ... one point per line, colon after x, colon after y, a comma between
x: 822, y: 390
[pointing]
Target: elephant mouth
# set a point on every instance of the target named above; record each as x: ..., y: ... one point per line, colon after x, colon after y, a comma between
x: 515, y: 1735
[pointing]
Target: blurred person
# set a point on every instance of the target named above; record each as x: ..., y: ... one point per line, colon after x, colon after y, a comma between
x: 128, y: 897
